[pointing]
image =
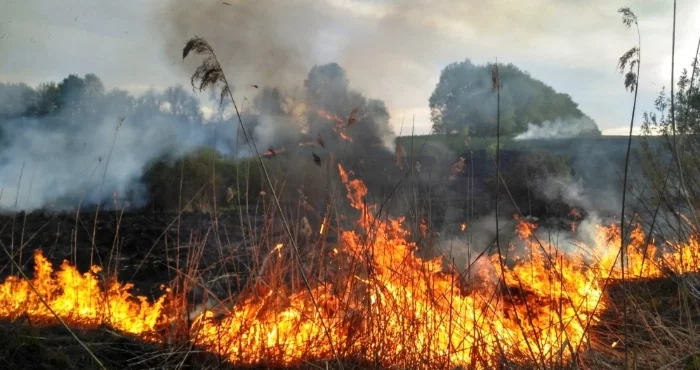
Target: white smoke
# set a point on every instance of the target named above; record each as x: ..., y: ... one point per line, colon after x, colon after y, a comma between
x: 573, y: 192
x: 559, y: 129
x: 61, y: 160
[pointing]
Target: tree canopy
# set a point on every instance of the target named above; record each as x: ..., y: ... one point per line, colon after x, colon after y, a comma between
x: 464, y: 102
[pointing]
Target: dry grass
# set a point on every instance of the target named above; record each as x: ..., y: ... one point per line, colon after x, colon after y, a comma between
x: 652, y: 323
x: 660, y: 313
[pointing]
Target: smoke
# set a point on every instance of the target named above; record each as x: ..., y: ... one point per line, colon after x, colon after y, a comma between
x: 291, y: 50
x: 479, y: 239
x: 575, y: 193
x: 559, y: 129
x: 59, y: 153
x: 267, y: 43
x: 92, y: 147
x: 71, y: 144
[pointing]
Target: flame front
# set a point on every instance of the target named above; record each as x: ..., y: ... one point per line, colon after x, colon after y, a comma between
x: 80, y: 299
x: 386, y: 305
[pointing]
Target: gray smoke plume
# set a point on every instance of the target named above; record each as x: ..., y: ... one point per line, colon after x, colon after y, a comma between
x: 559, y: 129
x: 86, y: 146
x: 75, y: 144
x: 281, y: 48
x: 575, y: 193
x: 262, y: 43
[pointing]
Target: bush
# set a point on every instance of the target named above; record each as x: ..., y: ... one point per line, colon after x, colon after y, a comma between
x: 200, y: 181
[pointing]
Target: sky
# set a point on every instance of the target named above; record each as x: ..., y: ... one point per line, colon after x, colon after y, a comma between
x: 392, y: 50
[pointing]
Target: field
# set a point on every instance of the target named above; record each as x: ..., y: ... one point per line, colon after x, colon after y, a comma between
x: 241, y: 292
x: 297, y: 240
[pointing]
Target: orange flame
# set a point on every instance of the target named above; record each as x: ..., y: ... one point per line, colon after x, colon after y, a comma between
x: 339, y: 126
x: 397, y: 309
x: 80, y: 299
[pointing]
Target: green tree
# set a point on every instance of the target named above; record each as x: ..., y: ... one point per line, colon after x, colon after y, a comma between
x: 366, y: 120
x: 76, y: 97
x: 463, y: 101
x: 665, y: 154
x: 47, y: 100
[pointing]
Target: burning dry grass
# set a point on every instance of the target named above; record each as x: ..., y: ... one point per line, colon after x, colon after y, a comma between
x: 373, y: 301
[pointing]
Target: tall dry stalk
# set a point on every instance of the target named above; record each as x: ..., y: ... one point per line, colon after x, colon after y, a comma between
x: 209, y: 74
x: 631, y: 58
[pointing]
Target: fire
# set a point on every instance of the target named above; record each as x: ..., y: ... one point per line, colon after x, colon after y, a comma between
x: 323, y: 225
x: 457, y: 168
x: 278, y: 248
x: 339, y: 127
x: 272, y: 152
x: 81, y: 299
x: 391, y: 307
x: 330, y: 117
x: 576, y: 215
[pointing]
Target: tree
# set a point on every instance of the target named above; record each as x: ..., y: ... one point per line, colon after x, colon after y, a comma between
x: 269, y: 102
x: 365, y: 121
x: 76, y: 97
x: 14, y: 98
x: 46, y: 100
x: 182, y: 103
x: 664, y: 153
x: 463, y: 102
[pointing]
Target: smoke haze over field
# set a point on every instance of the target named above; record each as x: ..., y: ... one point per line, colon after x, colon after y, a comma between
x: 57, y: 139
x: 65, y: 156
x: 559, y: 129
x: 390, y: 54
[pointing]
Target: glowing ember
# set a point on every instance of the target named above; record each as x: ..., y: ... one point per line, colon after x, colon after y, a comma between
x: 323, y: 225
x: 307, y: 143
x: 339, y: 127
x: 272, y: 152
x: 330, y: 117
x: 389, y: 306
x: 576, y: 215
x: 344, y: 136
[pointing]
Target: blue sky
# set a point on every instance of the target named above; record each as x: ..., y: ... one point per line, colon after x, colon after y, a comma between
x: 392, y: 50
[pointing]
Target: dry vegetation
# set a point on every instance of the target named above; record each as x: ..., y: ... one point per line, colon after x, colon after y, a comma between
x: 350, y: 291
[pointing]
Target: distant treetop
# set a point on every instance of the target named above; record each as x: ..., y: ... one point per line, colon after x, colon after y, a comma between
x: 464, y: 102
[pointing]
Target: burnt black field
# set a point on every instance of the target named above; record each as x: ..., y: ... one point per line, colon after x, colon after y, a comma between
x: 141, y: 247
